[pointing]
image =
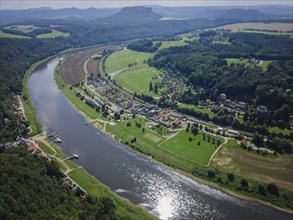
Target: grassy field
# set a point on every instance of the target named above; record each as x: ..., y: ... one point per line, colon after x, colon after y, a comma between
x: 264, y: 169
x: 54, y: 34
x: 264, y: 64
x: 267, y: 32
x: 203, y: 110
x: 167, y: 44
x: 6, y: 35
x: 279, y: 130
x: 138, y: 79
x: 168, y: 19
x: 121, y: 59
x: 257, y: 26
x: 190, y: 150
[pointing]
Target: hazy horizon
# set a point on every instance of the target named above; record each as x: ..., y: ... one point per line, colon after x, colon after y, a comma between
x: 15, y: 4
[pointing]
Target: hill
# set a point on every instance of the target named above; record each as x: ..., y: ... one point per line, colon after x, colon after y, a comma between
x: 133, y: 14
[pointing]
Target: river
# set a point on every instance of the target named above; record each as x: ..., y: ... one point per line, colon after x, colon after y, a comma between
x: 163, y: 191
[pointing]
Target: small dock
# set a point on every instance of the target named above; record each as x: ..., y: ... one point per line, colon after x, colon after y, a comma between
x: 73, y: 156
x: 90, y: 122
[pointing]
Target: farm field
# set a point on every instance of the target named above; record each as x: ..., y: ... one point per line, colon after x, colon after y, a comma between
x: 23, y: 28
x: 92, y: 66
x: 121, y: 59
x: 6, y: 35
x: 180, y: 145
x: 72, y: 70
x: 264, y: 169
x: 138, y: 79
x: 281, y: 27
x: 54, y: 34
x: 168, y: 19
x: 203, y: 110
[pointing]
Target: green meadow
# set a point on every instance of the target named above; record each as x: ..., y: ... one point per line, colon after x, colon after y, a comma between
x: 190, y: 147
x: 121, y: 59
x: 54, y: 34
x: 6, y: 35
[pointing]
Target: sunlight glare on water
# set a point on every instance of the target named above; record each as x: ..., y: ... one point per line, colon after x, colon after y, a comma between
x: 164, y: 207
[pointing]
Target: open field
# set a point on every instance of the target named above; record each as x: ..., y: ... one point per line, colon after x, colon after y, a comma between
x: 54, y: 34
x: 92, y: 66
x: 126, y: 133
x: 6, y: 35
x: 138, y: 79
x: 72, y: 70
x: 190, y: 150
x: 279, y: 130
x: 23, y: 28
x: 258, y: 26
x: 168, y: 19
x: 167, y: 44
x: 264, y: 64
x: 264, y: 169
x: 121, y: 59
x: 203, y: 110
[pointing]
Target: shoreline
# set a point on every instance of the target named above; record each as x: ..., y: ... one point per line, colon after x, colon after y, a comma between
x: 198, y: 179
x: 29, y: 106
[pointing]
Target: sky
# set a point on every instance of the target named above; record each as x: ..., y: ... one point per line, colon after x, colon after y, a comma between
x: 17, y: 4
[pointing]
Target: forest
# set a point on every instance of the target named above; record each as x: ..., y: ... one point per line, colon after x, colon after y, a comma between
x: 31, y: 187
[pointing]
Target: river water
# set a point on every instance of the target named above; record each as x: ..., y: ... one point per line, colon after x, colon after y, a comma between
x: 166, y: 193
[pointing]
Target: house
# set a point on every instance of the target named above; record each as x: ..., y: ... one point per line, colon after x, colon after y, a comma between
x: 176, y: 123
x: 262, y: 109
x: 23, y: 142
x: 223, y: 96
x: 244, y: 142
x: 233, y: 132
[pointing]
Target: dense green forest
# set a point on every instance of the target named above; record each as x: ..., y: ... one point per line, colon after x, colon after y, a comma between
x: 144, y: 46
x: 31, y: 187
x: 202, y: 65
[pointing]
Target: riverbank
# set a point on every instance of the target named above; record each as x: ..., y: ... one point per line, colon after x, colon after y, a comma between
x: 125, y: 209
x: 199, y: 173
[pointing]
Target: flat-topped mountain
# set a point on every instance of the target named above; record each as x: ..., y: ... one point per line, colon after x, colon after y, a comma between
x: 134, y: 14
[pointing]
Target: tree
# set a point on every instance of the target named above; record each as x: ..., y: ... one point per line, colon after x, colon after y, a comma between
x: 211, y: 174
x: 231, y: 177
x: 151, y: 86
x: 273, y: 189
x: 128, y: 124
x: 156, y: 90
x: 244, y: 183
x: 262, y: 190
x: 257, y: 140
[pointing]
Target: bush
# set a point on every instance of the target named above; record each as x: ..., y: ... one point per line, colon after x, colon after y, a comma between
x: 231, y: 177
x: 273, y: 189
x: 211, y: 174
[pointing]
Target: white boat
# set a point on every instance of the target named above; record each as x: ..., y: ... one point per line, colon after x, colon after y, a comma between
x: 58, y: 140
